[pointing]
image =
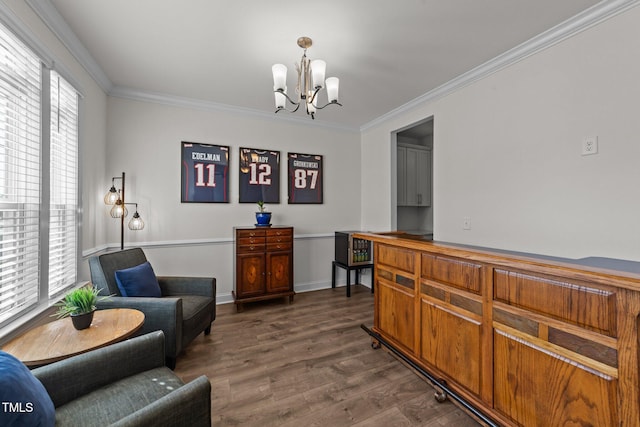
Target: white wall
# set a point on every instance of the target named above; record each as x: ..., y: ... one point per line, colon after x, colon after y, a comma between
x: 143, y: 140
x: 507, y: 151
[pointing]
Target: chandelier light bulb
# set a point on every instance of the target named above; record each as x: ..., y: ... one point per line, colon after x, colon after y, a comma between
x: 332, y: 89
x: 318, y: 68
x: 279, y: 77
x: 311, y: 106
x: 281, y: 100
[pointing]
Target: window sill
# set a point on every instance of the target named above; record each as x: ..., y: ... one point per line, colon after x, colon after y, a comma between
x: 39, y: 315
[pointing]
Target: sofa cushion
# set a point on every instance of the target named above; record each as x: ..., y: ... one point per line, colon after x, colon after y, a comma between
x: 25, y: 401
x: 118, y: 400
x: 138, y: 281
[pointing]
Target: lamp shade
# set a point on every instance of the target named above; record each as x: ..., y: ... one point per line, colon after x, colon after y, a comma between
x: 281, y: 100
x: 118, y: 209
x: 311, y: 106
x: 111, y: 196
x: 279, y: 77
x: 332, y: 89
x: 318, y: 68
x: 136, y: 222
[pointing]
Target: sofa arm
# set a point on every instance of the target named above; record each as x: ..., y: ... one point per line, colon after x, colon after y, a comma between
x: 189, y: 405
x: 163, y: 314
x: 174, y: 285
x: 79, y: 375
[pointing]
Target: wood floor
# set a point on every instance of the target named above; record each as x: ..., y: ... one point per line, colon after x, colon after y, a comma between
x: 309, y: 364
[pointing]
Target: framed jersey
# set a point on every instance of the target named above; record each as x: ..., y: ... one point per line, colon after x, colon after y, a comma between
x: 259, y: 176
x: 305, y: 178
x: 205, y: 173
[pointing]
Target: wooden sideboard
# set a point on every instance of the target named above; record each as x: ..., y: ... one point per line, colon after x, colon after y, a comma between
x: 263, y: 258
x: 529, y: 341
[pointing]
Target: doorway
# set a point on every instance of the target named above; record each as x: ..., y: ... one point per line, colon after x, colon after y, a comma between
x: 413, y: 148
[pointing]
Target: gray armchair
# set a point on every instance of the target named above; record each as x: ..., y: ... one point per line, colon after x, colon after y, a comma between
x: 125, y: 384
x: 187, y: 306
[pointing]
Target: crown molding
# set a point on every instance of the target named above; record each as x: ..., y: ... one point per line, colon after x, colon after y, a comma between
x: 578, y: 23
x: 200, y: 104
x: 10, y: 19
x: 572, y: 26
x: 54, y: 21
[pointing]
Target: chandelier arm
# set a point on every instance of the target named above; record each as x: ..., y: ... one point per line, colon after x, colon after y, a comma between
x: 289, y: 111
x: 330, y: 103
x: 286, y: 96
x: 299, y: 69
x: 315, y: 92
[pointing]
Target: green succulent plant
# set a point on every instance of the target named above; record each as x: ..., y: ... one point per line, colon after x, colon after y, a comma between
x: 79, y: 301
x: 261, y: 206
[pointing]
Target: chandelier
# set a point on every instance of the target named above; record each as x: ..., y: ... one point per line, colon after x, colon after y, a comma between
x: 310, y: 82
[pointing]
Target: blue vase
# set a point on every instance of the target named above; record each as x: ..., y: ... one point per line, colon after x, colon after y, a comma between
x: 263, y: 219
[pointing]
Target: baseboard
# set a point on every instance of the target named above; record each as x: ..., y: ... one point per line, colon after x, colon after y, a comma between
x: 227, y: 298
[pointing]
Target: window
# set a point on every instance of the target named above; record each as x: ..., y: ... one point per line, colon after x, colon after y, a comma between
x: 63, y: 205
x: 38, y: 180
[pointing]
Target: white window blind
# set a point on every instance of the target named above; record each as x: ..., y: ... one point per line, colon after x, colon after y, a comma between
x: 63, y: 203
x: 20, y: 156
x: 38, y: 181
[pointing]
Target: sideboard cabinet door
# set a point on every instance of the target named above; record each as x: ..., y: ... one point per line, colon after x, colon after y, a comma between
x: 395, y: 297
x: 263, y: 259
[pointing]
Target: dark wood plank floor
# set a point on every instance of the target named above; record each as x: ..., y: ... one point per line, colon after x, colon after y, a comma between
x: 309, y: 364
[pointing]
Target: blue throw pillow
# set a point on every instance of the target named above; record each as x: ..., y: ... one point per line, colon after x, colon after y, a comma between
x: 23, y: 399
x: 138, y: 281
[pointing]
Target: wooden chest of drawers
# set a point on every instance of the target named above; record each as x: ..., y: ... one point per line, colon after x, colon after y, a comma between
x: 263, y: 260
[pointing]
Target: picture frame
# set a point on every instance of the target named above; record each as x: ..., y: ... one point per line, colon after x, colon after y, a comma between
x: 305, y: 178
x: 259, y: 175
x: 204, y: 173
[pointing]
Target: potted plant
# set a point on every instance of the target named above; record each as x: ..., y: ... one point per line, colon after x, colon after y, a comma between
x: 263, y: 218
x: 80, y: 304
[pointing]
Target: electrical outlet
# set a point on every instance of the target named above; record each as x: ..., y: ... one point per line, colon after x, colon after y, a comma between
x: 589, y: 145
x: 466, y: 223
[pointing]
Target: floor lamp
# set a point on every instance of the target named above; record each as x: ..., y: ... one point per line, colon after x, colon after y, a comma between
x: 115, y: 197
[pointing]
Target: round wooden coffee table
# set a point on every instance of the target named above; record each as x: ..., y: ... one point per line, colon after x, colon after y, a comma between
x: 58, y: 340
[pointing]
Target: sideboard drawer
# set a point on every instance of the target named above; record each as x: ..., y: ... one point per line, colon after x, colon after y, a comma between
x: 247, y: 241
x: 279, y: 246
x: 452, y: 271
x: 401, y: 259
x: 279, y: 232
x: 250, y: 233
x: 573, y: 302
x: 251, y: 248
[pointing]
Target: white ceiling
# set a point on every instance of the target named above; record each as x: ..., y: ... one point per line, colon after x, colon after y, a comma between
x: 386, y: 53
